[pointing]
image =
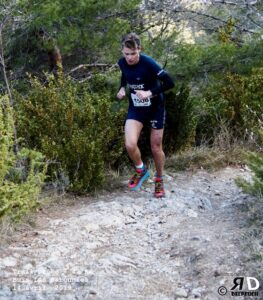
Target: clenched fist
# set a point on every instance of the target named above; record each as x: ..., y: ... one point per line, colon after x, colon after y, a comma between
x: 121, y: 94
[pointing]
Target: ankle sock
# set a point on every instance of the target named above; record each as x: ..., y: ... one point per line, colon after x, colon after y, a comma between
x: 141, y: 166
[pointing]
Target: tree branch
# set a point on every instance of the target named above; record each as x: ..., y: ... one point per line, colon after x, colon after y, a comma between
x: 213, y: 18
x: 100, y: 66
x: 254, y: 22
x: 118, y: 14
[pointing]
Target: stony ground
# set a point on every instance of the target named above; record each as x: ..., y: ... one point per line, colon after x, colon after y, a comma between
x: 128, y: 245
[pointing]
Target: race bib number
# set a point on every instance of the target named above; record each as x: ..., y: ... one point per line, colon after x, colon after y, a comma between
x: 139, y: 102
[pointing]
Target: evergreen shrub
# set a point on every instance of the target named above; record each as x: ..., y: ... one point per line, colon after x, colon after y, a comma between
x: 74, y: 126
x: 21, y: 175
x: 235, y: 102
x: 180, y: 120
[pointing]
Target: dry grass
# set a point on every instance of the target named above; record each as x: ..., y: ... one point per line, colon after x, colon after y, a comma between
x: 205, y: 158
x: 9, y: 230
x: 226, y: 150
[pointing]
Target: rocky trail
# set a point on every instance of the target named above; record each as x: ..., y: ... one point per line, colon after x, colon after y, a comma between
x: 129, y: 245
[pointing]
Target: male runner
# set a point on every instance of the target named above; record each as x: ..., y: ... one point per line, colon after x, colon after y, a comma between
x: 146, y: 81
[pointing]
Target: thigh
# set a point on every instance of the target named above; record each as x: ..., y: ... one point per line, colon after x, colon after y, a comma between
x: 133, y: 129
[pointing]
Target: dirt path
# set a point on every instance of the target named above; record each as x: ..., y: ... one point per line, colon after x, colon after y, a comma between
x: 131, y: 246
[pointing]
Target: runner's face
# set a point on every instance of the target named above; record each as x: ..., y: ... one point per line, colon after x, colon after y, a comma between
x: 131, y: 56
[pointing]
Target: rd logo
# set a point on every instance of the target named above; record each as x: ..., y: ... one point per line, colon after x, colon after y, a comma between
x: 242, y: 286
x: 252, y: 283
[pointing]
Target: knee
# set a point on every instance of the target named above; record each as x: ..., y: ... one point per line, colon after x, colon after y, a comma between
x: 156, y: 148
x: 130, y: 146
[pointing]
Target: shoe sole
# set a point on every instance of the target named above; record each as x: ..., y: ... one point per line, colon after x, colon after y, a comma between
x: 159, y: 196
x: 145, y: 176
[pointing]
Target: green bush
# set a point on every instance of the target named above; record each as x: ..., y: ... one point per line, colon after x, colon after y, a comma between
x: 255, y: 163
x: 181, y: 120
x: 6, y: 138
x: 21, y: 176
x: 233, y: 102
x: 74, y: 127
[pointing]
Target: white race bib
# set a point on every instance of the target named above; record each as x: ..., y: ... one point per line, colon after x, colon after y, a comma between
x: 139, y: 102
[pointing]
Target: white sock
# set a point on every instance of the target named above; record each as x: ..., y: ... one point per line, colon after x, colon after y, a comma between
x: 139, y: 166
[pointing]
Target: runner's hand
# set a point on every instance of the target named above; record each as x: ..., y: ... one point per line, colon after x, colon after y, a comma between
x: 143, y: 94
x: 121, y: 94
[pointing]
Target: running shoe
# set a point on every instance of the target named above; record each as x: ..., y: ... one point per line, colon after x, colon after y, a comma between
x: 138, y: 178
x: 159, y: 188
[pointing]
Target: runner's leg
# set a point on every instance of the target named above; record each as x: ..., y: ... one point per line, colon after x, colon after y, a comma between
x: 159, y: 159
x: 133, y: 129
x: 157, y: 150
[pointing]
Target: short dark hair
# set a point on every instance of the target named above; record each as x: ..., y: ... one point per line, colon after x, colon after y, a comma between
x: 131, y: 41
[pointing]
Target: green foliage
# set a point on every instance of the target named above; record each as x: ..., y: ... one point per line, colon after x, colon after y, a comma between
x: 85, y: 31
x: 74, y: 127
x: 201, y: 62
x: 253, y: 110
x: 161, y: 47
x: 21, y: 176
x: 225, y: 32
x: 181, y: 120
x: 6, y: 138
x: 235, y: 102
x: 255, y: 163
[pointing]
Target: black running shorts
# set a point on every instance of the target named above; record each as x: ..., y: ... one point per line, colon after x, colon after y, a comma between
x: 153, y: 116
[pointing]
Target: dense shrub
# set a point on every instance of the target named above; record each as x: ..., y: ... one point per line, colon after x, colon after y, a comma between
x: 21, y: 175
x: 74, y: 126
x: 234, y: 102
x: 181, y: 120
x: 255, y: 163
